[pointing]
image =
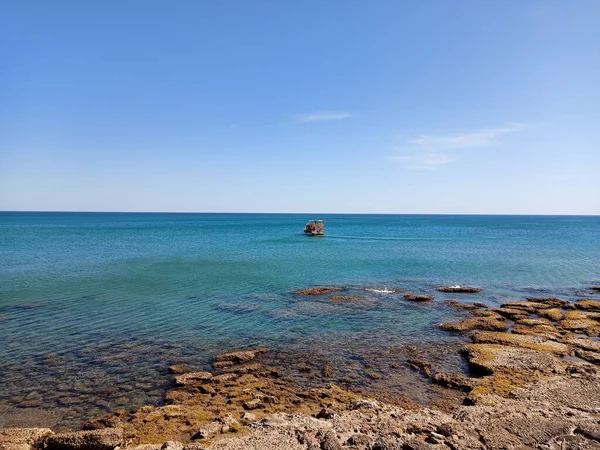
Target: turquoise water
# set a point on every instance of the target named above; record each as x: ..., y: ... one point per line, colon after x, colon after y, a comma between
x: 120, y: 296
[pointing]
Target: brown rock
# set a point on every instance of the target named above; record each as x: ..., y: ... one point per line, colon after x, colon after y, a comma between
x: 593, y: 357
x: 553, y: 314
x: 241, y: 356
x: 346, y: 298
x: 528, y: 306
x: 420, y: 365
x: 457, y: 305
x: 22, y: 438
x: 106, y: 439
x: 550, y: 301
x: 479, y: 323
x: 329, y: 440
x: 178, y: 369
x: 418, y: 297
x: 457, y: 382
x: 595, y: 288
x: 511, y: 313
x: 318, y: 290
x: 458, y: 289
x: 192, y: 378
x: 589, y: 305
x: 524, y: 341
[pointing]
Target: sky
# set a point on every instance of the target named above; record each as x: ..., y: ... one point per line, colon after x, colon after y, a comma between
x: 342, y: 106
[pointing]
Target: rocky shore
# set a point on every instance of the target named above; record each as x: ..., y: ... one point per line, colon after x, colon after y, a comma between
x: 533, y: 383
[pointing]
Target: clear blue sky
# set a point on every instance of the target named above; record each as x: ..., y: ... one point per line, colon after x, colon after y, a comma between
x: 411, y: 106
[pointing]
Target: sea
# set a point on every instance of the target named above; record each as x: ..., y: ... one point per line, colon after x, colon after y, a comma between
x: 94, y: 307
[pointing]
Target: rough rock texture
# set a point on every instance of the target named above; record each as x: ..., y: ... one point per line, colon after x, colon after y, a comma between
x: 105, y: 439
x: 590, y: 305
x: 241, y: 356
x: 22, y: 438
x: 493, y: 323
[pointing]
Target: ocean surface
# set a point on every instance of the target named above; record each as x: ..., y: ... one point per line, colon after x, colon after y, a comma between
x: 95, y: 306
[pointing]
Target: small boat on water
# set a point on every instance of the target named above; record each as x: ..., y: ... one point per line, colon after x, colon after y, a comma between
x: 315, y: 228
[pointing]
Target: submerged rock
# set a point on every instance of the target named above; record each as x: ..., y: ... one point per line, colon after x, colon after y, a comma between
x: 458, y: 289
x: 241, y: 356
x: 417, y: 297
x: 317, y: 290
x: 458, y: 305
x: 346, y: 298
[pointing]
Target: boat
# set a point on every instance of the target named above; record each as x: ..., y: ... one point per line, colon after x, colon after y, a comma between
x: 315, y: 228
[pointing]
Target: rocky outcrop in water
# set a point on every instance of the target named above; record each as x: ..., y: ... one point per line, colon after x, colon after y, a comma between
x: 317, y: 290
x: 458, y: 289
x: 417, y: 297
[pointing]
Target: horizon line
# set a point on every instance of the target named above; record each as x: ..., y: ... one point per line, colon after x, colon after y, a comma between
x: 301, y: 213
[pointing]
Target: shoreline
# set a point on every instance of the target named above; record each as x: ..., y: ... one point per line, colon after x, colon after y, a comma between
x: 533, y: 381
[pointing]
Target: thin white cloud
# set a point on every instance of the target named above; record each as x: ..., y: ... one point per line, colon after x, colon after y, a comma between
x: 323, y: 116
x: 428, y: 152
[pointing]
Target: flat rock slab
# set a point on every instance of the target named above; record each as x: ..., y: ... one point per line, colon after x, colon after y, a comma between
x: 491, y: 357
x: 538, y: 343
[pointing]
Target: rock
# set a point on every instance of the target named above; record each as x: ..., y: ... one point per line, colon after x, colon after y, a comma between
x: 553, y: 314
x: 318, y: 291
x: 417, y: 297
x: 253, y: 404
x: 595, y: 288
x: 346, y: 298
x: 530, y: 307
x: 273, y: 421
x: 551, y: 302
x: 248, y: 416
x: 146, y: 447
x: 457, y: 305
x: 479, y: 323
x: 328, y: 371
x: 222, y: 364
x: 589, y: 305
x: 457, y: 382
x: 325, y: 414
x: 592, y: 357
x: 172, y: 445
x: 420, y: 365
x: 365, y: 404
x: 177, y: 369
x: 194, y: 446
x: 359, y: 440
x: 192, y: 378
x: 241, y: 356
x: 385, y: 444
x: 523, y: 341
x: 511, y: 313
x: 207, y: 431
x: 458, y: 289
x: 104, y: 439
x: 584, y: 343
x: 241, y: 370
x: 23, y: 438
x: 484, y: 359
x: 328, y: 440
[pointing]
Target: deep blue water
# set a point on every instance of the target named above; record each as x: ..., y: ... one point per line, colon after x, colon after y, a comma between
x: 80, y: 284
